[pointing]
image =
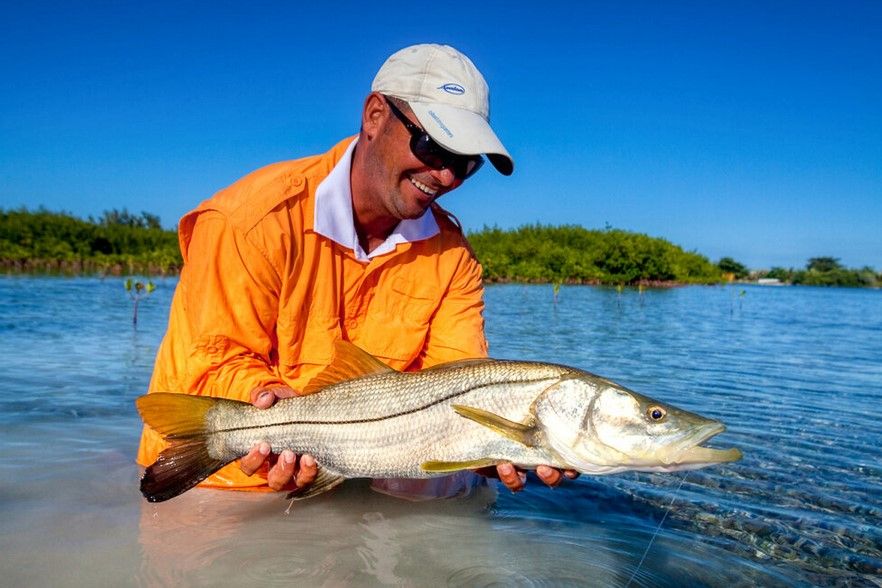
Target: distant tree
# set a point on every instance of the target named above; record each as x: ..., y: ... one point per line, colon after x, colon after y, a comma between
x: 151, y: 221
x: 780, y: 273
x: 124, y: 218
x: 569, y: 253
x: 118, y: 241
x: 118, y: 218
x: 823, y: 264
x: 729, y: 265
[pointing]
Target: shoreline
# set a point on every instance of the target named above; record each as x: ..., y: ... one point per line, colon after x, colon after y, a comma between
x: 131, y: 267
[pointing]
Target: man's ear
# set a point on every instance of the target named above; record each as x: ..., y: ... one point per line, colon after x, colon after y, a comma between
x: 374, y: 114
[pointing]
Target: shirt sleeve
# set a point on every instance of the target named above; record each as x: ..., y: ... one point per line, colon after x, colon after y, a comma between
x: 456, y: 330
x: 230, y: 302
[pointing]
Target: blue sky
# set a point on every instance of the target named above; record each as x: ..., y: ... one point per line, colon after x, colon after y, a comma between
x: 743, y: 129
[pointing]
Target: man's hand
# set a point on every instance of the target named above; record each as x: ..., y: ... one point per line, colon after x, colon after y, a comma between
x: 515, y: 478
x: 286, y: 472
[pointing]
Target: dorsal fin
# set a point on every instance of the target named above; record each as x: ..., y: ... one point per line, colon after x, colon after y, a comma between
x: 350, y: 361
x: 459, y: 363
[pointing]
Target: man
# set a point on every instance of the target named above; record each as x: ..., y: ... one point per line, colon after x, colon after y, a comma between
x: 349, y: 244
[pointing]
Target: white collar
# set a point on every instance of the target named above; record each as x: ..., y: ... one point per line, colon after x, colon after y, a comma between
x: 333, y: 214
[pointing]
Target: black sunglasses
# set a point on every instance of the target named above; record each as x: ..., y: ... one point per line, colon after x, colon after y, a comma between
x: 434, y: 155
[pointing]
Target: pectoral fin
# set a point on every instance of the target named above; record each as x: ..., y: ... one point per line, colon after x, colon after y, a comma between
x: 325, y: 480
x: 446, y: 467
x: 517, y: 431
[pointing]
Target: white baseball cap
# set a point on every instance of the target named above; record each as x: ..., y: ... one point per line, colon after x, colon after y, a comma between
x: 449, y: 97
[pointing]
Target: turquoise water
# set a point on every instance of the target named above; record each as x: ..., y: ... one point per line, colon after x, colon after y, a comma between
x: 796, y: 374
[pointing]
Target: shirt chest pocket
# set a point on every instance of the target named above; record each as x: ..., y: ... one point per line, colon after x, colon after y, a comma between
x: 306, y: 343
x: 397, y: 321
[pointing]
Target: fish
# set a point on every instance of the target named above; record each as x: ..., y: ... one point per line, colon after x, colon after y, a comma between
x: 360, y: 418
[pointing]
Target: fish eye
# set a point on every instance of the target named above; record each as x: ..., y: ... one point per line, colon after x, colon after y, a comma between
x: 656, y: 413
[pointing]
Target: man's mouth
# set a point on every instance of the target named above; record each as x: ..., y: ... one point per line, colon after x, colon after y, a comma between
x: 423, y: 188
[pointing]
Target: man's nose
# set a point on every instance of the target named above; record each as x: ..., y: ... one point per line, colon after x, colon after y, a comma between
x: 446, y: 177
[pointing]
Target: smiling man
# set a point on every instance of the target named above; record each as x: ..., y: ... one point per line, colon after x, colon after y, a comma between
x: 349, y: 244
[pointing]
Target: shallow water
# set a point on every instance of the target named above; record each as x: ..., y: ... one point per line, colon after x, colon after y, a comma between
x: 796, y: 374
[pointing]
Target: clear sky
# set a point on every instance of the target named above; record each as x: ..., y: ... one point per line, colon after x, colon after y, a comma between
x: 743, y: 129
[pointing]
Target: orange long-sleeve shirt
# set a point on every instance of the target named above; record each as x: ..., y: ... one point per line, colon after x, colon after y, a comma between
x: 262, y: 297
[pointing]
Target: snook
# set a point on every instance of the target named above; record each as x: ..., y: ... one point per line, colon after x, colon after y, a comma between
x: 361, y: 419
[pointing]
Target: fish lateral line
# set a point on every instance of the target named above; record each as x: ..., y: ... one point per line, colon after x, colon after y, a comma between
x: 306, y: 422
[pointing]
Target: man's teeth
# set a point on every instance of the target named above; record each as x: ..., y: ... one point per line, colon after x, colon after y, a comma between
x: 422, y: 187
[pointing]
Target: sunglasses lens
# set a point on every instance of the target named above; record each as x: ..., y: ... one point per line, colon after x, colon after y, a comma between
x: 436, y: 157
x: 426, y: 150
x: 472, y: 164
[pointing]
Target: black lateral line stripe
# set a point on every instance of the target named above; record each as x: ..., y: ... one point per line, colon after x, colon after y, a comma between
x: 380, y: 418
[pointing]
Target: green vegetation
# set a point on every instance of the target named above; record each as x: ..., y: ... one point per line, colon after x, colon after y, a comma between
x: 729, y: 266
x: 118, y: 243
x: 825, y: 271
x: 573, y: 254
x: 121, y: 243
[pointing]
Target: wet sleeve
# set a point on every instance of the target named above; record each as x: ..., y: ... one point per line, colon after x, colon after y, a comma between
x: 230, y: 307
x: 457, y: 327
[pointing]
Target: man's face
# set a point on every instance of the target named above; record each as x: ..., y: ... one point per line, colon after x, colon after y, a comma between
x: 401, y: 185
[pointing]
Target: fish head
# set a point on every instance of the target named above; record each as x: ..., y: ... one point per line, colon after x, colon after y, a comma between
x: 599, y: 427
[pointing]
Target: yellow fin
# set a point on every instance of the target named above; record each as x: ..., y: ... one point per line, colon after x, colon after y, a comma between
x: 446, y: 467
x: 517, y: 431
x: 350, y: 361
x: 175, y: 416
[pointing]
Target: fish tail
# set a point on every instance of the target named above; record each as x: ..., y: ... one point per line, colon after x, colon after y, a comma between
x: 180, y: 419
x: 179, y: 468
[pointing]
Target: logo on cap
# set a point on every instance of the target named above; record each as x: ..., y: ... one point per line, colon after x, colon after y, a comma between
x: 451, y: 88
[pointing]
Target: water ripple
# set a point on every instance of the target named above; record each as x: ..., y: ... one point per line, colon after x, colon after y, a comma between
x: 795, y: 373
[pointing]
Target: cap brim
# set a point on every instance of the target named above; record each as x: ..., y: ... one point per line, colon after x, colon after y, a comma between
x: 463, y: 132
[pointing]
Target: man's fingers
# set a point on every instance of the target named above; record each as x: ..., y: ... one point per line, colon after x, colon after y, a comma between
x: 571, y: 474
x: 266, y: 397
x: 513, y: 479
x: 551, y: 476
x: 262, y: 398
x: 307, y: 471
x: 280, y: 474
x: 284, y: 392
x: 255, y: 458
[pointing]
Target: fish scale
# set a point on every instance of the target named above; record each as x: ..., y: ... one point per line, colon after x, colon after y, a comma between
x: 398, y: 421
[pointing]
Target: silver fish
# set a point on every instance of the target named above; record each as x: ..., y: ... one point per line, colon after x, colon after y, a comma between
x: 361, y: 419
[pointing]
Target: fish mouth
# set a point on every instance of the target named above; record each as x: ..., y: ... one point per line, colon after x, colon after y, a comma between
x: 697, y: 453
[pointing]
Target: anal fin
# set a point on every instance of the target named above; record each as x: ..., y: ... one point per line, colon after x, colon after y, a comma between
x: 325, y: 480
x: 447, y: 467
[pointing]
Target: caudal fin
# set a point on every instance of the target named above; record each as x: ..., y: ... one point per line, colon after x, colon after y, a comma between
x: 179, y: 468
x: 180, y: 419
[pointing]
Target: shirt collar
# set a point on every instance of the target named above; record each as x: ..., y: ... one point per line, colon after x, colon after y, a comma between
x: 333, y: 214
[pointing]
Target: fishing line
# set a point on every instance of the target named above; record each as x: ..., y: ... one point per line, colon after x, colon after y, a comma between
x: 657, y: 529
